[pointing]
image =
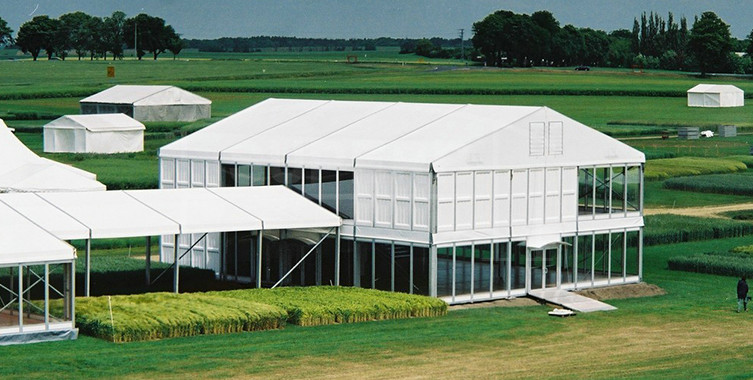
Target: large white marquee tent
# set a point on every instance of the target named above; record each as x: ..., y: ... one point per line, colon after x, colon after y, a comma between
x: 97, y: 133
x: 715, y: 95
x: 21, y: 170
x: 149, y: 103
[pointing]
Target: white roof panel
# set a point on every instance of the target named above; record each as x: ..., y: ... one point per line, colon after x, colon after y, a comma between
x: 210, y: 141
x: 279, y: 207
x: 716, y: 88
x: 272, y: 145
x: 198, y: 210
x: 145, y: 95
x: 97, y: 122
x: 46, y: 216
x: 23, y: 242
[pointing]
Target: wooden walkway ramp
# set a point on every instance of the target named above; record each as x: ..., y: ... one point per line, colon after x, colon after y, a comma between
x: 570, y: 300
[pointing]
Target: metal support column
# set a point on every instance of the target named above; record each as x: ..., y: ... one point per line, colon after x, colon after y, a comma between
x: 433, y: 270
x: 148, y: 260
x: 337, y: 257
x: 177, y: 265
x: 259, y: 243
x: 87, y: 264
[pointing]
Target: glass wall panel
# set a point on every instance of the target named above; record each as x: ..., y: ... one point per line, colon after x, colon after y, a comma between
x: 499, y: 281
x: 402, y: 268
x: 276, y: 176
x: 585, y: 257
x: 326, y: 263
x: 602, y: 189
x: 585, y: 191
x: 295, y: 179
x: 482, y: 254
x: 633, y: 178
x: 245, y: 253
x: 618, y: 189
x: 601, y: 256
x: 270, y: 261
x: 329, y: 190
x: 244, y: 175
x: 444, y: 271
x: 616, y: 255
x: 230, y: 253
x: 383, y: 266
x: 568, y: 260
x: 631, y: 256
x: 228, y: 176
x: 311, y: 184
x: 463, y: 257
x: 518, y: 262
x: 364, y: 264
x: 420, y: 270
x: 346, y: 194
x: 346, y: 262
x: 259, y: 175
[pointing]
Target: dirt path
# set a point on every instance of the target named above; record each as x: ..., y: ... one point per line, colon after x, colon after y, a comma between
x: 707, y: 212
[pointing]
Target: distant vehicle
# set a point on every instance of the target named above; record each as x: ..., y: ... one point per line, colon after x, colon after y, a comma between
x: 582, y: 68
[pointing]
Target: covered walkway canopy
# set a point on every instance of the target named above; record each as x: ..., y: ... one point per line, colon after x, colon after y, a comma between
x: 133, y: 213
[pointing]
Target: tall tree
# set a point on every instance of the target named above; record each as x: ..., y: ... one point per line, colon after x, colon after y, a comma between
x: 6, y: 33
x: 151, y: 34
x: 175, y: 45
x: 77, y: 25
x: 710, y: 43
x: 113, y: 36
x: 37, y: 34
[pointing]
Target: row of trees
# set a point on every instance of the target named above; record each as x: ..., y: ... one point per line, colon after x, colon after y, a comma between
x: 251, y: 44
x: 93, y: 36
x: 505, y: 38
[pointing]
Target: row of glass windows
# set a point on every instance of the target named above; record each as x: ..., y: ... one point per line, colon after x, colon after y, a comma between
x: 331, y: 189
x: 385, y: 266
x: 605, y: 190
x: 480, y: 270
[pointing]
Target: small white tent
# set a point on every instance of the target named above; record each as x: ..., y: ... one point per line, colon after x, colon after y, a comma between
x: 105, y: 133
x: 715, y: 95
x: 149, y: 103
x: 23, y: 171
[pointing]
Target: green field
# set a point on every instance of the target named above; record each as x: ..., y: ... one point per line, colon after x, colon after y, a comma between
x: 692, y: 332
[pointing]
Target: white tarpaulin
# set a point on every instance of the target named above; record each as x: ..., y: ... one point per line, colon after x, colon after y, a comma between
x: 21, y: 170
x: 149, y: 103
x: 716, y: 95
x: 102, y: 133
x: 23, y: 242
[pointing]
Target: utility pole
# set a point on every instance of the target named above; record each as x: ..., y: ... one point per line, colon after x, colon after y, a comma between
x: 462, y: 45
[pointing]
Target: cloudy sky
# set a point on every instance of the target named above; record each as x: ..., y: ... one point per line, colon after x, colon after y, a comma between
x: 365, y: 19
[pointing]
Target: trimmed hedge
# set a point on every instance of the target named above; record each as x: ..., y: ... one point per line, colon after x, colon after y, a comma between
x: 686, y: 166
x: 723, y: 264
x: 735, y: 184
x: 166, y: 315
x: 671, y: 229
x: 324, y: 305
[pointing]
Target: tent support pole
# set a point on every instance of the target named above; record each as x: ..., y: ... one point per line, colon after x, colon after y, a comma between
x: 337, y: 257
x: 259, y: 242
x: 87, y: 263
x: 148, y: 260
x: 177, y: 264
x: 303, y: 258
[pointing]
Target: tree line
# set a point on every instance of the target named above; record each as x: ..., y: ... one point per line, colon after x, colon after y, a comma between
x: 92, y: 36
x: 280, y: 43
x: 504, y: 38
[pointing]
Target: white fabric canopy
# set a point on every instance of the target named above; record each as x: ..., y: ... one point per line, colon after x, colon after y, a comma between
x: 96, y: 133
x: 21, y: 170
x: 46, y: 215
x: 23, y: 242
x: 716, y: 95
x: 400, y: 136
x: 149, y: 103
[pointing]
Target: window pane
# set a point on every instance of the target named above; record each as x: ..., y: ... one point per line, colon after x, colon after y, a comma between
x: 568, y: 260
x: 402, y: 268
x: 601, y: 254
x: 346, y: 195
x: 585, y: 255
x: 615, y: 265
x: 311, y: 184
x: 481, y: 264
x: 421, y: 270
x: 518, y: 262
x: 463, y: 269
x: 585, y: 191
x: 329, y: 190
x: 364, y: 264
x: 244, y: 175
x: 346, y: 262
x: 295, y: 179
x: 259, y: 175
x: 500, y: 266
x: 228, y: 175
x: 602, y: 190
x: 444, y: 271
x: 631, y: 256
x: 276, y: 176
x: 632, y: 199
x: 383, y: 266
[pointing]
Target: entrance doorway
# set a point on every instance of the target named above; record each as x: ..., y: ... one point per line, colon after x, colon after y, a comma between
x: 542, y: 268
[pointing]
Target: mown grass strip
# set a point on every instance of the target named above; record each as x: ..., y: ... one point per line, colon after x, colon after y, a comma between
x: 686, y: 166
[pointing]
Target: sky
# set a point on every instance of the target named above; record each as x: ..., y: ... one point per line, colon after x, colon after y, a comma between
x: 204, y: 19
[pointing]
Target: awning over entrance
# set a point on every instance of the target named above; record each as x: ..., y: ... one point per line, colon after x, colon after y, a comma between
x: 543, y: 241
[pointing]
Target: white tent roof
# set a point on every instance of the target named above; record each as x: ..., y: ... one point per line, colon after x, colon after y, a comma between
x: 145, y: 95
x: 133, y: 213
x: 399, y: 136
x: 23, y: 242
x: 715, y: 88
x: 21, y: 170
x: 97, y: 122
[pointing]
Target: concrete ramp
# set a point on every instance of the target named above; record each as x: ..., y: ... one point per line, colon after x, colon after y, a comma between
x: 570, y: 300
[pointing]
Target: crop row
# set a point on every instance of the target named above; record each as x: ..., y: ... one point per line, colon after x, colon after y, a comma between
x: 687, y: 166
x: 671, y: 229
x: 735, y: 183
x: 724, y: 264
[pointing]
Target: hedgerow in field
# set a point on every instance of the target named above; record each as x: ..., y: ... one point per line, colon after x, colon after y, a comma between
x: 687, y: 166
x: 735, y: 183
x: 721, y: 263
x: 670, y: 229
